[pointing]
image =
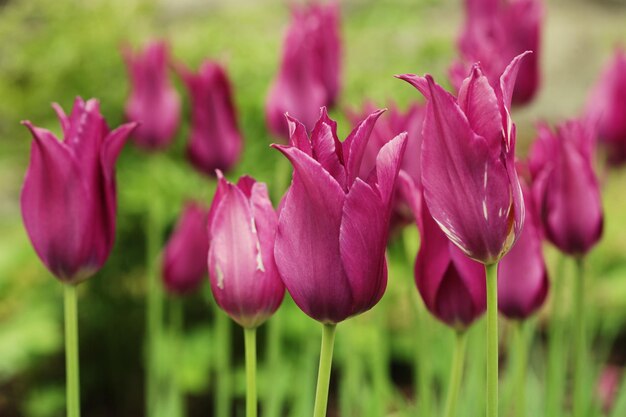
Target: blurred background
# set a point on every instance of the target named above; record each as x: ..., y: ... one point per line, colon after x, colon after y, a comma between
x: 54, y: 51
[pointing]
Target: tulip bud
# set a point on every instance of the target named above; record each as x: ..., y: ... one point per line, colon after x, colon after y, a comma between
x: 153, y: 101
x: 468, y: 171
x: 496, y: 32
x: 242, y: 270
x: 565, y: 187
x: 215, y: 141
x: 607, y: 107
x: 522, y: 273
x: 185, y: 255
x: 68, y: 199
x: 333, y: 226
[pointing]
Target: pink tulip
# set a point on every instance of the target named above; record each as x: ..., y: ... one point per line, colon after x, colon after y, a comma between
x: 565, y: 186
x: 68, y: 199
x: 333, y: 227
x: 215, y: 141
x: 185, y: 255
x: 495, y: 32
x: 242, y: 230
x: 468, y: 171
x: 608, y: 386
x: 607, y: 107
x: 153, y: 101
x: 309, y: 74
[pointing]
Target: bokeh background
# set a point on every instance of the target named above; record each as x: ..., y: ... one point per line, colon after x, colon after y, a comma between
x: 54, y: 51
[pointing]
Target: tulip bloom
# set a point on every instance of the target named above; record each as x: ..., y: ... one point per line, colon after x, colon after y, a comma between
x: 68, y: 199
x: 565, y: 187
x: 153, y: 100
x: 309, y: 74
x: 185, y: 255
x: 607, y: 107
x: 242, y: 270
x: 522, y: 275
x: 468, y: 171
x: 215, y: 141
x: 495, y: 32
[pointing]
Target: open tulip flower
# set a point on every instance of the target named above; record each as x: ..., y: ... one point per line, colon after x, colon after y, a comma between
x: 607, y: 107
x: 215, y: 141
x: 310, y: 71
x: 495, y: 32
x: 153, y: 100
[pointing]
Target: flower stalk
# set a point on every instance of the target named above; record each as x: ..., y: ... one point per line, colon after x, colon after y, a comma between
x: 456, y: 374
x: 492, y: 339
x: 71, y: 352
x: 580, y: 348
x: 521, y: 357
x: 323, y: 376
x: 251, y: 395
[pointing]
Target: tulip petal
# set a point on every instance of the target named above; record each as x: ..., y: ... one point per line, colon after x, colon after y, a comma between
x: 421, y: 83
x: 327, y: 148
x: 508, y: 78
x: 355, y: 145
x: 387, y: 166
x: 298, y: 136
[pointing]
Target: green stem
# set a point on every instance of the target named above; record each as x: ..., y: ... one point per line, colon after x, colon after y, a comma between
x: 579, y: 342
x: 224, y: 381
x: 456, y: 375
x: 323, y: 376
x: 492, y: 339
x: 177, y: 323
x: 71, y: 352
x: 555, y: 377
x: 521, y: 353
x: 422, y: 360
x: 250, y: 344
x: 274, y: 395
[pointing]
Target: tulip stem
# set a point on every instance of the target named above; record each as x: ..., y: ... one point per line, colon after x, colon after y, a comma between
x: 71, y: 352
x: 521, y: 353
x: 456, y: 374
x: 555, y: 376
x: 492, y: 339
x: 251, y: 398
x: 323, y: 376
x: 222, y: 337
x: 579, y: 341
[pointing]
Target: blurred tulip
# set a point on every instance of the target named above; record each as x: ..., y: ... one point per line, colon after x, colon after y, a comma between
x: 242, y: 231
x: 522, y: 274
x: 607, y: 107
x: 215, y: 141
x: 185, y: 255
x: 565, y: 187
x: 333, y: 227
x: 495, y: 32
x: 309, y: 74
x: 607, y: 387
x: 468, y: 171
x: 153, y: 101
x: 68, y: 199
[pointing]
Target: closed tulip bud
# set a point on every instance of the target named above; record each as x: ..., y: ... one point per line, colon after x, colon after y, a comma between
x: 68, y: 199
x: 565, y: 186
x: 185, y: 255
x: 468, y: 171
x: 328, y: 37
x: 215, y: 141
x: 242, y: 231
x: 607, y: 107
x: 495, y: 32
x: 153, y: 100
x: 333, y: 226
x: 522, y: 274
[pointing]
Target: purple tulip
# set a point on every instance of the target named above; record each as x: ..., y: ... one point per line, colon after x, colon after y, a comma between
x: 68, y: 199
x: 333, y: 227
x: 153, y: 101
x: 453, y: 286
x: 309, y: 75
x: 185, y: 255
x: 565, y: 186
x: 215, y: 141
x: 607, y: 107
x: 495, y: 32
x: 242, y: 231
x: 522, y: 273
x: 468, y: 171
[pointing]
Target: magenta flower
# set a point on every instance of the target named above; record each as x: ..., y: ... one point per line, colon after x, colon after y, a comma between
x: 68, y: 199
x: 565, y: 187
x: 242, y: 231
x: 185, y: 255
x: 607, y: 107
x: 215, y: 141
x: 333, y: 227
x: 309, y: 74
x: 495, y: 32
x: 522, y: 274
x: 468, y: 171
x: 153, y: 100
